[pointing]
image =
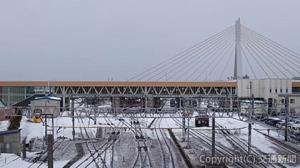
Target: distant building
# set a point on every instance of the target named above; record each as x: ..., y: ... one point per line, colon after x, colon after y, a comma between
x: 269, y: 90
x: 10, y: 141
x: 45, y: 105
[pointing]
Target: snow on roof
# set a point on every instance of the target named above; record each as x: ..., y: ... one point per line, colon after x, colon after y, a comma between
x: 48, y: 98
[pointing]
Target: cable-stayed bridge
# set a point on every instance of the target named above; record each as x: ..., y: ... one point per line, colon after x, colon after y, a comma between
x: 210, y: 68
x: 233, y: 53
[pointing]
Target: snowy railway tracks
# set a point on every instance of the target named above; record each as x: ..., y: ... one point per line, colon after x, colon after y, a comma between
x: 163, y: 140
x: 94, y: 152
x: 241, y: 146
x: 222, y: 150
x: 206, y: 141
x: 143, y: 158
x: 43, y: 154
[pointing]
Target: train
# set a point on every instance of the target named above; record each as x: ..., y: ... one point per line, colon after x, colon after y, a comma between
x: 202, y: 120
x: 37, y: 118
x: 260, y: 108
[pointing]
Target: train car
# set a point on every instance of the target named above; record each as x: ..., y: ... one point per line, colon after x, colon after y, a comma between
x: 37, y: 116
x: 202, y: 121
x: 259, y: 108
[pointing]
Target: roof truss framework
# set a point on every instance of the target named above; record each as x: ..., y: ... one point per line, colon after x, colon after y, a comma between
x: 154, y: 91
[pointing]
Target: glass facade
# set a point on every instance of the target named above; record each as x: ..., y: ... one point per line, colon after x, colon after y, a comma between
x: 13, y: 94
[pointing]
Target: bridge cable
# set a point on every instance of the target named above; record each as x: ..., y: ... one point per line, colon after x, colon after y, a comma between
x: 248, y: 62
x: 223, y: 56
x: 196, y: 62
x: 245, y: 45
x: 261, y: 58
x: 278, y: 56
x: 179, y: 55
x: 212, y: 60
x: 204, y: 48
x: 264, y: 55
x: 227, y: 62
x: 276, y: 45
x: 271, y: 54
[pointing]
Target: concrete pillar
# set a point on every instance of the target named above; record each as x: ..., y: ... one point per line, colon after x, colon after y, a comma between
x: 8, y: 96
x: 115, y: 102
x: 50, y: 150
x: 150, y: 102
x: 231, y: 104
x: 64, y: 99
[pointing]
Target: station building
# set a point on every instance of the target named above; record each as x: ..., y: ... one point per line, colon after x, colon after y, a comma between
x: 265, y: 89
x: 272, y: 91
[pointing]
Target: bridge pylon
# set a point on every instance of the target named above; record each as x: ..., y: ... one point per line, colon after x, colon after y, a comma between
x: 237, y: 53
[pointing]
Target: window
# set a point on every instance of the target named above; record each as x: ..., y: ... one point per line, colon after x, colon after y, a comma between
x: 275, y: 90
x: 270, y: 90
x: 287, y: 90
x: 292, y: 101
x: 280, y: 90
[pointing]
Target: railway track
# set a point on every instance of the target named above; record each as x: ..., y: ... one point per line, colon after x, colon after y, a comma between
x: 163, y: 140
x: 242, y: 146
x: 80, y: 120
x: 206, y: 140
x: 56, y: 144
x: 141, y: 145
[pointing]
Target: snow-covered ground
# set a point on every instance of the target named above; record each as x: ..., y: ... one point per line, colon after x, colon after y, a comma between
x: 125, y: 149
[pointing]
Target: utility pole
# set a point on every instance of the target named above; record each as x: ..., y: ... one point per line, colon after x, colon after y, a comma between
x: 50, y: 150
x: 46, y: 129
x: 183, y: 119
x: 287, y: 108
x: 95, y: 110
x: 73, y: 119
x: 251, y: 111
x: 213, y: 136
x: 188, y: 129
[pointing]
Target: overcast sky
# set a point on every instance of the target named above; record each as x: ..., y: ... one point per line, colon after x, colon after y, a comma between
x: 95, y: 39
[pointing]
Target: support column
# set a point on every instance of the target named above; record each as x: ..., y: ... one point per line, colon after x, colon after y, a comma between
x: 73, y: 119
x: 150, y: 102
x: 115, y: 103
x: 231, y: 103
x: 50, y: 151
x: 213, y: 136
x: 287, y: 107
x: 64, y: 99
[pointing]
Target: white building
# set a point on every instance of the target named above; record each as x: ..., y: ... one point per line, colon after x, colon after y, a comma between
x: 45, y: 105
x: 269, y: 90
